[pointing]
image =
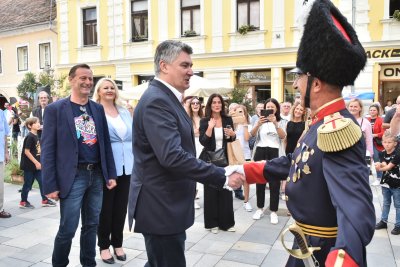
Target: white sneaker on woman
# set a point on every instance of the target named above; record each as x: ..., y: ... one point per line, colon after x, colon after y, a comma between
x: 258, y: 214
x: 247, y: 206
x: 274, y: 218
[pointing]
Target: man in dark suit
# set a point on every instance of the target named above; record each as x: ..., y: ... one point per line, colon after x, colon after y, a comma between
x: 38, y: 112
x: 76, y: 161
x: 165, y: 166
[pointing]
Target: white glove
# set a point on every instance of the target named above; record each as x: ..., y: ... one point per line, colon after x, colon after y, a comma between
x: 234, y: 168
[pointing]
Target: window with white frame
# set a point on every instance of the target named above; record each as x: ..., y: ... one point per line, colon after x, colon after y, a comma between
x: 22, y: 55
x: 140, y: 20
x: 89, y: 26
x: 190, y: 17
x: 44, y: 55
x: 393, y: 6
x: 248, y: 14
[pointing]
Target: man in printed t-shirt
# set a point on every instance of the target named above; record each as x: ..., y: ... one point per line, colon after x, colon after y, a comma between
x: 76, y: 161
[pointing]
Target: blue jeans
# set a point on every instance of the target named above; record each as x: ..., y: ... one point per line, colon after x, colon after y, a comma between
x: 376, y: 159
x: 86, y: 196
x: 29, y: 178
x: 387, y: 194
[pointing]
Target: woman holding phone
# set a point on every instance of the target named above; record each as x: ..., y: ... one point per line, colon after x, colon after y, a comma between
x: 216, y: 129
x: 269, y: 130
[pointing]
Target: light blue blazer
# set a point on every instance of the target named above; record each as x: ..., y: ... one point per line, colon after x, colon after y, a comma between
x: 122, y: 148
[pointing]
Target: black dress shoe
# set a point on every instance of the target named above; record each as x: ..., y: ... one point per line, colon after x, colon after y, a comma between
x: 4, y: 214
x: 108, y: 261
x: 120, y: 258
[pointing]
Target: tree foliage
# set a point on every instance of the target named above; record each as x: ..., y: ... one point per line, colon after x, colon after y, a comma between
x: 27, y: 87
x: 238, y: 95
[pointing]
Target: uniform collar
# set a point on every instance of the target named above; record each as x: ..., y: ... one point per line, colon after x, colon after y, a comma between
x: 328, y: 108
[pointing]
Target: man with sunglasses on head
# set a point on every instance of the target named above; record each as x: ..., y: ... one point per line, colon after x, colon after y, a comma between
x: 327, y: 189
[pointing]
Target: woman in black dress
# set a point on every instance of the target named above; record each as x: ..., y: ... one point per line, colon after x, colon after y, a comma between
x: 295, y: 126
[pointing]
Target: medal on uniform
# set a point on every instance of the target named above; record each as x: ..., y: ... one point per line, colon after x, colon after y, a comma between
x: 312, y: 151
x: 298, y: 145
x: 294, y: 177
x: 305, y: 156
x: 288, y: 179
x: 306, y: 169
x: 298, y: 158
x: 298, y: 174
x: 292, y: 162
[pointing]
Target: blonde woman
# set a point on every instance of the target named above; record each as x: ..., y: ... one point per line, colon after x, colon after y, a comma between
x: 115, y: 201
x: 243, y: 135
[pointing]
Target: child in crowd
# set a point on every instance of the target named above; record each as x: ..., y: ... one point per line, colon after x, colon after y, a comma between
x: 390, y: 181
x: 30, y: 164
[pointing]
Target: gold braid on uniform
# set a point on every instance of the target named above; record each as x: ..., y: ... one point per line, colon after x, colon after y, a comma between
x: 337, y: 133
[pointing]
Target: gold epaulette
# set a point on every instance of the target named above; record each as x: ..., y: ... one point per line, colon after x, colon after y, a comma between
x: 337, y: 133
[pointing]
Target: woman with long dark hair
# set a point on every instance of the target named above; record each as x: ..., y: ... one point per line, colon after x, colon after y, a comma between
x: 216, y: 129
x: 269, y: 130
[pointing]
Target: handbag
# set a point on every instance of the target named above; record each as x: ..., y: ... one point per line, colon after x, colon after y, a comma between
x: 217, y: 157
x: 235, y: 153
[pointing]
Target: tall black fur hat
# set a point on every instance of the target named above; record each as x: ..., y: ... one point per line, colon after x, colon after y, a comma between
x: 329, y: 48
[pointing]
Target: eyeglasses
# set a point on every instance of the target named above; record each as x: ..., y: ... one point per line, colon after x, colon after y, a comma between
x: 195, y: 103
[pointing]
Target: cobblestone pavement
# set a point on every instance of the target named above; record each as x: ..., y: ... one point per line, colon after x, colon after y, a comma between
x: 26, y: 239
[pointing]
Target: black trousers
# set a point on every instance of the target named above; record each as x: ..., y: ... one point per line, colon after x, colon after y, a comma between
x: 113, y: 214
x: 267, y: 153
x: 165, y: 250
x: 218, y: 208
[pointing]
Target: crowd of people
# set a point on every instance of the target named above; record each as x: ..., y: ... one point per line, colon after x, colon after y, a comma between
x: 100, y: 161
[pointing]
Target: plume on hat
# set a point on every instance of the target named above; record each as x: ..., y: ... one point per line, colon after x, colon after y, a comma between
x: 329, y: 48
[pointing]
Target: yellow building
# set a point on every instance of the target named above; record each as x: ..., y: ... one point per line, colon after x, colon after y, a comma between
x: 28, y: 42
x: 117, y: 38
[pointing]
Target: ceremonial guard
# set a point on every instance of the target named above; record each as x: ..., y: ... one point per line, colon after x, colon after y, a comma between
x: 327, y: 189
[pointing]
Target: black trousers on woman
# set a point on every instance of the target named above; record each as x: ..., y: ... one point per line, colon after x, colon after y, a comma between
x: 113, y: 214
x: 218, y: 208
x: 267, y: 153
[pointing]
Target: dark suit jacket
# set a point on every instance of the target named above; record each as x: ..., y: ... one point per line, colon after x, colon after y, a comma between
x: 37, y: 112
x: 59, y: 145
x: 165, y: 166
x: 209, y: 142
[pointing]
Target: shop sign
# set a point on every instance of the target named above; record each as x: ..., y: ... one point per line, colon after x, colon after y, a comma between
x: 390, y: 72
x: 255, y: 77
x: 383, y: 53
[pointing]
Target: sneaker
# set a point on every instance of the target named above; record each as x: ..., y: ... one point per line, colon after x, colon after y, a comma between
x: 25, y: 205
x: 232, y: 229
x: 247, y: 206
x: 396, y: 230
x: 376, y: 183
x: 196, y: 205
x: 258, y: 214
x: 283, y: 196
x: 274, y: 218
x: 380, y: 225
x: 214, y: 230
x: 48, y: 203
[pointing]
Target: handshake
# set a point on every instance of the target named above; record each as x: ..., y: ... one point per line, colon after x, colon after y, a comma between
x: 236, y: 176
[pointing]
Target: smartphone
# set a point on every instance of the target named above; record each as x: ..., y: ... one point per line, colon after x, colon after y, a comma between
x: 266, y: 112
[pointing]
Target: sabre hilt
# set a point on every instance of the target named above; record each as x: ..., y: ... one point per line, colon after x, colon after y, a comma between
x: 305, y: 253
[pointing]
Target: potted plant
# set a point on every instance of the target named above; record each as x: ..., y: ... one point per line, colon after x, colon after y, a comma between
x: 189, y: 33
x: 396, y: 15
x: 244, y: 29
x: 14, y: 172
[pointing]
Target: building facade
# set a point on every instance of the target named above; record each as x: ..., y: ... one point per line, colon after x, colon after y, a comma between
x: 250, y: 43
x: 28, y: 42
